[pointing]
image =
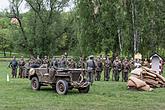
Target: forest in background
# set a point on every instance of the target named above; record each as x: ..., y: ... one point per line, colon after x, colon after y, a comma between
x: 115, y: 27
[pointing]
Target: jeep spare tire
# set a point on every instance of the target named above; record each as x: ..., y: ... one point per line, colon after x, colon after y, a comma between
x: 35, y: 83
x: 62, y: 87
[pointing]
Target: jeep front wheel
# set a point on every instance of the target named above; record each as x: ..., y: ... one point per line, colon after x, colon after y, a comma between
x: 35, y: 83
x: 62, y: 87
x: 84, y: 90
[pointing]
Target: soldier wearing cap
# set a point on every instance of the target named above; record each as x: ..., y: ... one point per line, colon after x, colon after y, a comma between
x: 125, y: 69
x: 107, y: 68
x: 91, y: 68
x: 116, y: 69
x: 14, y: 65
x: 21, y: 65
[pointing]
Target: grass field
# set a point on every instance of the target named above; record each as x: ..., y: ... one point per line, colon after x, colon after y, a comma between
x: 17, y: 95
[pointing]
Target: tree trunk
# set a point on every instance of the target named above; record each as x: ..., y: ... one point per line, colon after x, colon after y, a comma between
x: 4, y: 52
x: 120, y: 42
x: 135, y: 37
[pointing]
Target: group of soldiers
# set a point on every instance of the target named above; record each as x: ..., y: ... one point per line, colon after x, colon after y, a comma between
x: 94, y: 66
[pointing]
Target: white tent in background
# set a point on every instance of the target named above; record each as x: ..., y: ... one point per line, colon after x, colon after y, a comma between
x: 156, y: 62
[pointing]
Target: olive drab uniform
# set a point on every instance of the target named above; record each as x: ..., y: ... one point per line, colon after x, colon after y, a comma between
x: 21, y: 65
x: 125, y: 70
x: 14, y: 65
x: 91, y: 69
x: 99, y: 68
x: 116, y: 69
x: 107, y: 69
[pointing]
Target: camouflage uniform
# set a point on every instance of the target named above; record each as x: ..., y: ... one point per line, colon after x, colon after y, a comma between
x: 21, y: 64
x: 107, y: 69
x: 14, y: 65
x: 99, y: 68
x: 91, y: 68
x: 116, y: 69
x: 125, y: 70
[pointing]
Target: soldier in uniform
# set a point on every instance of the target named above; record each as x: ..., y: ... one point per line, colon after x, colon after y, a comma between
x: 71, y: 63
x: 38, y: 61
x: 62, y: 62
x: 14, y: 65
x: 81, y: 63
x: 107, y: 69
x: 125, y: 69
x: 32, y: 62
x: 21, y: 64
x: 116, y: 69
x: 131, y: 62
x: 91, y: 68
x: 99, y: 68
x: 46, y: 61
x: 54, y: 62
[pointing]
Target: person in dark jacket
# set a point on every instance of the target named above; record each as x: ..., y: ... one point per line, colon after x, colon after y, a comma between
x: 14, y: 65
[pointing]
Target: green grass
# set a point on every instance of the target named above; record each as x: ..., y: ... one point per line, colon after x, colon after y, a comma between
x: 17, y: 95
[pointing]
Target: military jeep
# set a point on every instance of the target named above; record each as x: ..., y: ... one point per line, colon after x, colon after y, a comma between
x: 60, y: 80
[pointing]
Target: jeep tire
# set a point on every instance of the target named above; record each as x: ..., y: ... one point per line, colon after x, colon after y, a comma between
x: 62, y: 87
x: 35, y: 83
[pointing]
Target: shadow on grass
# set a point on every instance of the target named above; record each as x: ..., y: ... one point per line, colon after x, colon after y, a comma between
x: 47, y: 89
